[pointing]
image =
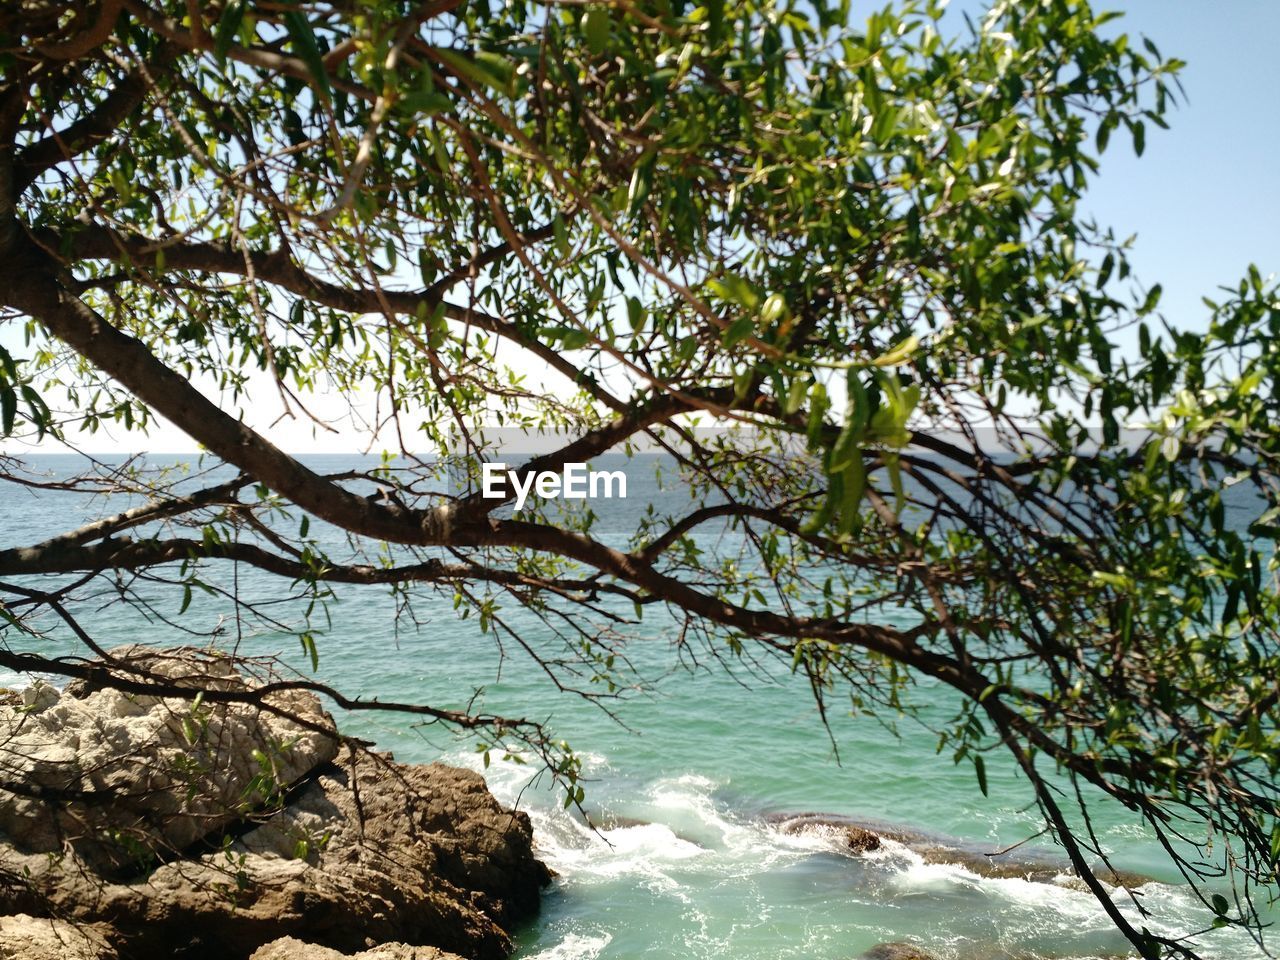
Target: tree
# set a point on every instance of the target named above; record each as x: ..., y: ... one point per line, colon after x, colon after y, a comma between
x: 863, y: 243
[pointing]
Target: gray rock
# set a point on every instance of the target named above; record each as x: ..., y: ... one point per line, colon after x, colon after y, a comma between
x: 897, y: 951
x: 123, y: 780
x: 290, y: 948
x: 361, y: 851
x: 34, y: 938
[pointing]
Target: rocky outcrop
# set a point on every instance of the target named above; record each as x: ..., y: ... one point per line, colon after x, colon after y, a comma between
x: 851, y: 836
x: 896, y: 951
x: 860, y: 837
x: 122, y: 780
x: 37, y: 938
x: 289, y: 948
x: 338, y: 846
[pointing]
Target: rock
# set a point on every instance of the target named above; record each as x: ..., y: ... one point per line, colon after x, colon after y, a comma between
x: 360, y: 851
x: 897, y: 951
x: 614, y: 821
x: 861, y: 837
x: 1122, y: 878
x: 861, y: 841
x: 289, y: 948
x: 32, y: 938
x: 851, y: 836
x: 124, y: 780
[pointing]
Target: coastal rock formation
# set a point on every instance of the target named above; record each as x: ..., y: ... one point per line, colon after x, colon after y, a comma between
x: 852, y: 836
x: 896, y: 951
x: 289, y: 948
x: 284, y: 830
x: 120, y: 778
x: 861, y: 840
x: 37, y: 938
x: 860, y: 837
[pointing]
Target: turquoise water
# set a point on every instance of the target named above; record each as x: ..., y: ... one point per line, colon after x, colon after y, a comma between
x: 685, y: 776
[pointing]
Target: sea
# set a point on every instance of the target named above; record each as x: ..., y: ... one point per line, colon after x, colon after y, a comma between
x: 690, y: 770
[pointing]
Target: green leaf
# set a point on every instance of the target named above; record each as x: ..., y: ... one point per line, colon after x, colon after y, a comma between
x: 1151, y: 301
x: 893, y: 466
x: 1117, y: 580
x: 481, y: 67
x: 38, y: 409
x: 739, y: 330
x: 8, y: 409
x: 638, y: 190
x: 795, y: 395
x: 848, y: 445
x: 561, y: 232
x: 596, y: 27
x: 824, y: 513
x: 1105, y: 270
x: 308, y: 642
x: 819, y: 404
x: 899, y: 354
x: 980, y: 768
x: 303, y: 41
x: 571, y: 338
x: 735, y: 289
x: 228, y: 26
x: 425, y: 103
x: 1104, y: 132
x: 1232, y: 604
x: 1152, y: 457
x: 439, y: 151
x: 715, y: 22
x: 853, y: 484
x: 635, y: 314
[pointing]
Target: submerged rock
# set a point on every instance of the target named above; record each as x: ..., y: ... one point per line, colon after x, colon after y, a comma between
x: 342, y: 850
x: 897, y: 951
x: 614, y: 821
x: 861, y: 841
x: 854, y: 837
x: 864, y: 836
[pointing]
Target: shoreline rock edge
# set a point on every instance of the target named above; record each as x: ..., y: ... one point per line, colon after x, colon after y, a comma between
x: 227, y: 829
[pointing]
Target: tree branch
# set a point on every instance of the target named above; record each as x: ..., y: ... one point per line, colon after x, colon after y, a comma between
x: 278, y: 268
x: 90, y: 128
x: 90, y: 39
